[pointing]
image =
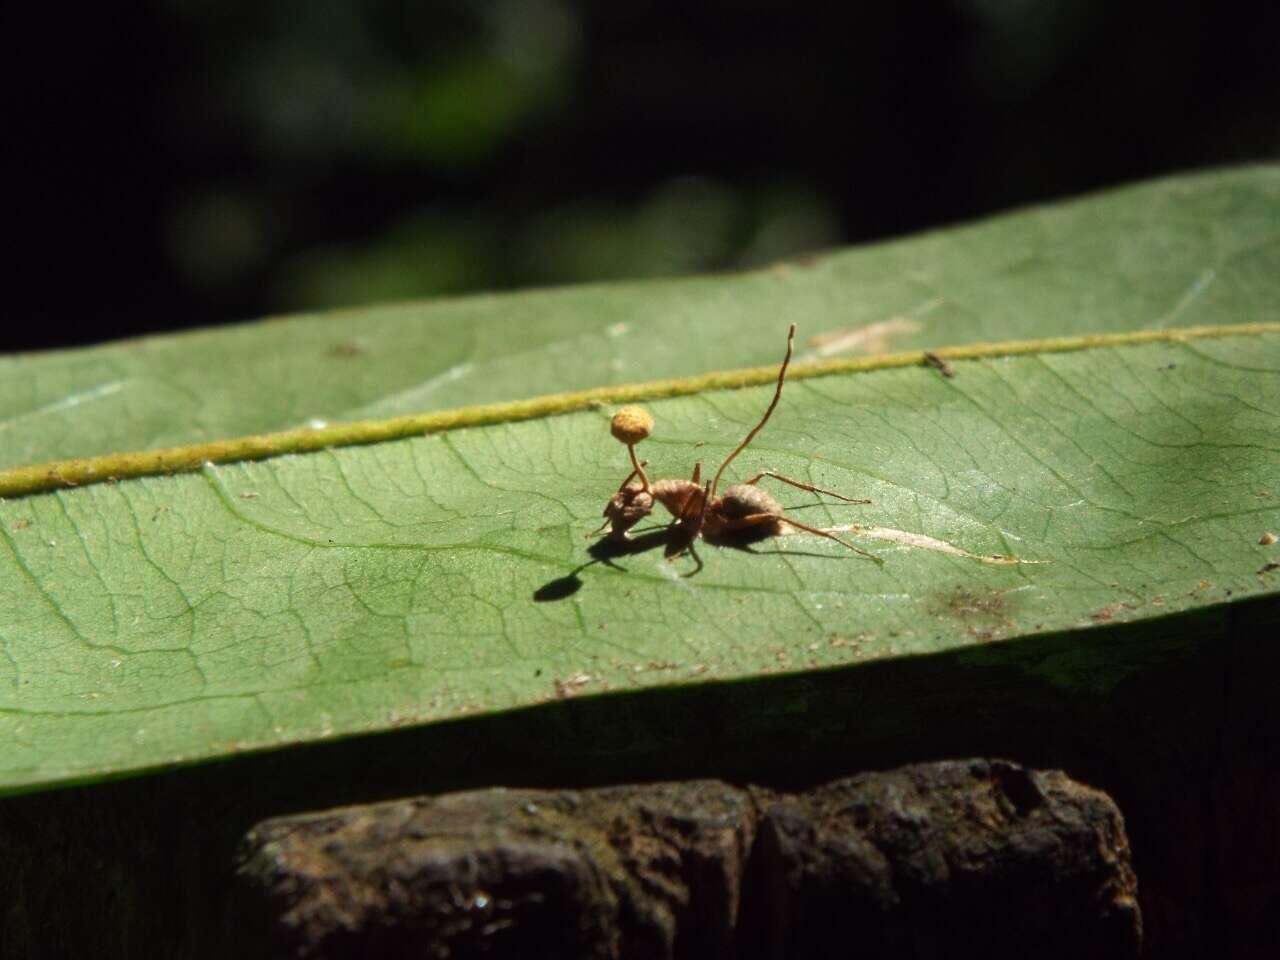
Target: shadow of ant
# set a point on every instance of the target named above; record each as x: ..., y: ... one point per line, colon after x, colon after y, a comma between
x: 674, y: 542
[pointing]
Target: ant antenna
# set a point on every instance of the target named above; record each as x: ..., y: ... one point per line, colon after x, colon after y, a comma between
x: 791, y: 335
x: 832, y: 536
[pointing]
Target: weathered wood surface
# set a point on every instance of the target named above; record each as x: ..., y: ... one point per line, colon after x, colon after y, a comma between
x: 950, y: 859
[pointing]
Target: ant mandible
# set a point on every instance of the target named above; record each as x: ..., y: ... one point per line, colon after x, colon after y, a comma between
x: 695, y: 506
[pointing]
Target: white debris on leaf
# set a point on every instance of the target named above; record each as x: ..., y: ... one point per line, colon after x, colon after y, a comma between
x: 871, y: 338
x: 921, y: 542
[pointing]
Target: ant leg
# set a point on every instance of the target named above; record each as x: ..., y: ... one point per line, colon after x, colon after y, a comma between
x: 693, y: 552
x: 680, y: 542
x: 738, y: 524
x: 694, y: 510
x: 754, y: 519
x: 688, y: 525
x: 697, y: 472
x: 706, y: 500
x: 832, y: 536
x: 803, y: 486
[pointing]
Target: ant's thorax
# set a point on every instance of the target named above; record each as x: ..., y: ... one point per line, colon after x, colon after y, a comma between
x: 682, y: 498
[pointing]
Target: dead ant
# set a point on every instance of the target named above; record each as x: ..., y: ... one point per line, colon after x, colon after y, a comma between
x: 697, y: 510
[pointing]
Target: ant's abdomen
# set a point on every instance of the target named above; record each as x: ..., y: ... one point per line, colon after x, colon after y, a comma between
x: 742, y: 500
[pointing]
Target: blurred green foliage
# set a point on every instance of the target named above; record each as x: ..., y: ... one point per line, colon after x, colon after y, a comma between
x: 203, y: 161
x: 319, y: 87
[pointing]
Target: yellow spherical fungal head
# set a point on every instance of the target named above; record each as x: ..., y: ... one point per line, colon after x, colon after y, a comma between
x: 631, y: 424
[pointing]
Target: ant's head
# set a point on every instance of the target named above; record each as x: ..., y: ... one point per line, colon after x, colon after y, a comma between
x: 631, y: 504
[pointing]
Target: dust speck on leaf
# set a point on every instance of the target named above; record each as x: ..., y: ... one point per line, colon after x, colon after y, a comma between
x: 346, y: 349
x: 655, y: 665
x: 983, y: 614
x: 940, y: 364
x: 571, y: 685
x: 966, y: 601
x: 840, y: 640
x: 1108, y: 612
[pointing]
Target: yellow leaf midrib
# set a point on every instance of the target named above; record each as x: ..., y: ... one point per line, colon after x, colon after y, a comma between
x: 59, y: 474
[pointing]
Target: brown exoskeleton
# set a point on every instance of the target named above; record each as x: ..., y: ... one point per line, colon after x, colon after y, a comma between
x: 699, y: 510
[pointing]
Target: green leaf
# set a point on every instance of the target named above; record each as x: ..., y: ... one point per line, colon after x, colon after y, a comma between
x: 1187, y: 250
x: 170, y: 620
x: 1049, y: 488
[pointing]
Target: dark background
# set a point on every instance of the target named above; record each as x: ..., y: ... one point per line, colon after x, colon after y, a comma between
x: 192, y: 162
